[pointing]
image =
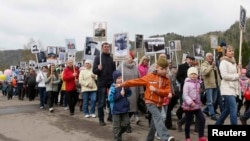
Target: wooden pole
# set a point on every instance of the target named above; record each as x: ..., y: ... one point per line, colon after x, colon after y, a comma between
x: 240, y: 48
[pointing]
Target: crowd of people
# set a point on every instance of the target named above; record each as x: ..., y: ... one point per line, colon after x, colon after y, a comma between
x: 103, y: 83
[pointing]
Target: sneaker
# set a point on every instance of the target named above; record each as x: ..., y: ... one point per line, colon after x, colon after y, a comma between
x: 41, y: 107
x: 179, y: 126
x: 171, y: 138
x: 51, y: 109
x: 202, y: 139
x: 66, y: 108
x: 109, y: 119
x: 93, y: 115
x: 87, y: 116
x: 71, y: 114
x: 214, y: 118
x: 137, y: 120
x: 156, y: 136
x: 101, y: 123
x: 129, y: 130
x: 206, y: 113
x: 188, y: 139
x: 243, y: 122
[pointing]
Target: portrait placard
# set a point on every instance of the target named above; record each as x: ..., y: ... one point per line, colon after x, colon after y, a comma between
x: 120, y: 46
x: 243, y: 14
x: 198, y: 51
x: 100, y: 31
x: 154, y: 45
x: 34, y: 48
x: 213, y: 41
x: 71, y: 45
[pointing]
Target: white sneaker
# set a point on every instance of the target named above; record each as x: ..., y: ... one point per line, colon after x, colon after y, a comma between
x: 93, y: 115
x: 66, y: 108
x: 137, y: 120
x: 41, y: 107
x: 87, y: 116
x: 156, y: 136
x: 51, y: 109
x: 171, y: 138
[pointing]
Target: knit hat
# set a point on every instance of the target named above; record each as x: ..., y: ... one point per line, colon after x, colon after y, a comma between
x: 88, y: 61
x: 192, y: 70
x: 162, y: 62
x: 116, y: 74
x: 222, y: 44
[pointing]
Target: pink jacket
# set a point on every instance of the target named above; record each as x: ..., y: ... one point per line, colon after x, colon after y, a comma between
x: 143, y: 70
x: 191, y: 93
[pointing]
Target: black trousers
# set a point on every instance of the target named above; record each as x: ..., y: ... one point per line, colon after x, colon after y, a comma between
x: 171, y: 105
x: 72, y: 98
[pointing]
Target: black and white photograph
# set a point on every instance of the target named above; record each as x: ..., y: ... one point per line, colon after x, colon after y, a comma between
x: 92, y: 48
x: 71, y: 56
x: 51, y: 52
x: 120, y: 46
x: 138, y: 41
x: 100, y: 31
x: 61, y: 56
x: 32, y: 64
x: 41, y: 57
x: 172, y: 45
x: 22, y: 64
x: 154, y: 45
x: 34, y: 48
x: 242, y: 18
x: 198, y: 52
x: 61, y: 49
x: 213, y: 41
x: 71, y: 45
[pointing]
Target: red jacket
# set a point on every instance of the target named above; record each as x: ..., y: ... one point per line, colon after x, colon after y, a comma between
x: 69, y: 79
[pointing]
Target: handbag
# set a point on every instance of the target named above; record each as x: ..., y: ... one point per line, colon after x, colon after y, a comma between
x: 247, y: 94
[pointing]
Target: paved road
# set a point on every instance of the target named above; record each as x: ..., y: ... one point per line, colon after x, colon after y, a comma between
x: 25, y: 121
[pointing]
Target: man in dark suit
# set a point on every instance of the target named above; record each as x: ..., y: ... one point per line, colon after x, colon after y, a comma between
x: 181, y: 76
x: 92, y: 49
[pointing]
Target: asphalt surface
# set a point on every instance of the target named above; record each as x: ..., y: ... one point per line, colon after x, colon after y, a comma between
x: 25, y: 121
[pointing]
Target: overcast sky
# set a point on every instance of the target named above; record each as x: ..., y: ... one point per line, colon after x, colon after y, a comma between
x: 53, y: 21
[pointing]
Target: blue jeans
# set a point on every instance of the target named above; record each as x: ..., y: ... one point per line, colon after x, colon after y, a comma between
x: 219, y: 102
x: 156, y: 124
x: 230, y: 108
x: 211, y: 95
x: 86, y: 96
x: 42, y: 93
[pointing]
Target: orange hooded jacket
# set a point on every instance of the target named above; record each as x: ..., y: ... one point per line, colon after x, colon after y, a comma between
x: 161, y: 83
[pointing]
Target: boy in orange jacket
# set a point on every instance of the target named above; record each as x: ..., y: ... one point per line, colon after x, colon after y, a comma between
x: 157, y: 87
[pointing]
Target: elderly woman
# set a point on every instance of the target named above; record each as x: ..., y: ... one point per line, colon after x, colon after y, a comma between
x: 130, y: 72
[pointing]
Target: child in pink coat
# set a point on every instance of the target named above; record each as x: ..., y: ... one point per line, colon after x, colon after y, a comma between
x: 192, y: 104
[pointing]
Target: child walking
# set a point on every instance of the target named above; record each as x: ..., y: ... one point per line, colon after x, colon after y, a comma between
x: 157, y: 86
x: 119, y: 105
x: 192, y: 103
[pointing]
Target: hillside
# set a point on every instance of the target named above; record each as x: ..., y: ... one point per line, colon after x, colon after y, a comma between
x: 230, y: 36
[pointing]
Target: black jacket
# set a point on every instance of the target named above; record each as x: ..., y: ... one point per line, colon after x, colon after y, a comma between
x: 105, y: 77
x: 182, y: 73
